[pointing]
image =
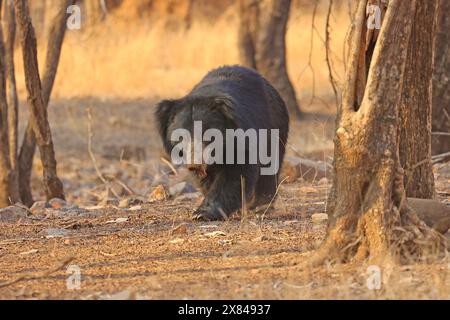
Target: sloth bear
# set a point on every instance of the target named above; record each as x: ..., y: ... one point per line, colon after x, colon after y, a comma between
x: 239, y: 106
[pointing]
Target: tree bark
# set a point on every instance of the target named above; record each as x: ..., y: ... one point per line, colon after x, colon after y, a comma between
x: 11, y: 90
x: 370, y: 218
x: 441, y: 82
x: 38, y: 111
x: 262, y: 44
x: 415, y: 105
x: 9, y: 192
x: 94, y: 11
x: 55, y: 41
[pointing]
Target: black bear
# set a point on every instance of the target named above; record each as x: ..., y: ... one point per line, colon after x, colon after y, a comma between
x: 239, y: 104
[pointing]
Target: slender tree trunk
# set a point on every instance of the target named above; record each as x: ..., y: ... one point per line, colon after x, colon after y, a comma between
x: 38, y: 111
x: 441, y: 82
x: 262, y: 44
x: 370, y: 218
x: 11, y: 90
x: 9, y: 192
x: 55, y: 41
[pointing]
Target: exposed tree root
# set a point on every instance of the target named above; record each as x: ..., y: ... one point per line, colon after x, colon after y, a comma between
x: 397, y: 237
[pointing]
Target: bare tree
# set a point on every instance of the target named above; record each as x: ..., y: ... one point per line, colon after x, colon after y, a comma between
x: 9, y: 192
x: 55, y: 41
x: 38, y: 110
x: 262, y: 44
x: 370, y: 218
x: 11, y: 91
x: 441, y: 82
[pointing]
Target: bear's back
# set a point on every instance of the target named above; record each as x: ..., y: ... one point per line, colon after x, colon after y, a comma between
x: 258, y: 104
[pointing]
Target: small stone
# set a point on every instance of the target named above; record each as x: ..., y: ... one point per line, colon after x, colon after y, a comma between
x: 177, y: 241
x: 319, y: 217
x: 225, y: 242
x: 39, y: 207
x: 118, y: 220
x: 12, y: 214
x: 58, y: 203
x: 56, y: 232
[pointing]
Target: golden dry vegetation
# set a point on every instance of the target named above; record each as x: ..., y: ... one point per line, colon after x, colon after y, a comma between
x: 120, y: 68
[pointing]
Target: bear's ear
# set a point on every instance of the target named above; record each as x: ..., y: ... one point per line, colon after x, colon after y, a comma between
x: 165, y: 111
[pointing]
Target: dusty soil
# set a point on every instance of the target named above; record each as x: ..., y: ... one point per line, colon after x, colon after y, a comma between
x: 155, y: 251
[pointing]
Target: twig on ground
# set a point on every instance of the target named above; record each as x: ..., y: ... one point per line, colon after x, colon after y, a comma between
x: 92, y: 156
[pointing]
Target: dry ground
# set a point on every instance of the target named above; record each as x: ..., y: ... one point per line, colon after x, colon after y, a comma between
x: 155, y: 251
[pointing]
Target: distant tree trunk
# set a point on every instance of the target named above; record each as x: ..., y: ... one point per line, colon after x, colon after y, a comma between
x: 55, y: 41
x: 441, y: 82
x: 94, y: 11
x: 13, y: 109
x: 249, y: 12
x: 38, y: 110
x: 370, y: 219
x: 262, y: 44
x: 9, y: 192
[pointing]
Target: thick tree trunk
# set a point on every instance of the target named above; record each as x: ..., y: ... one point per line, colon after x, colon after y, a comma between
x: 55, y: 41
x: 38, y: 111
x: 441, y: 82
x: 415, y: 105
x: 369, y: 216
x: 262, y: 44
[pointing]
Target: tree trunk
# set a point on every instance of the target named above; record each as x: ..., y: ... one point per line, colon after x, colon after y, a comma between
x: 415, y: 105
x: 441, y: 82
x: 9, y: 192
x: 11, y: 90
x: 262, y: 44
x: 55, y: 41
x: 369, y: 217
x: 38, y: 111
x: 248, y: 12
x: 94, y: 11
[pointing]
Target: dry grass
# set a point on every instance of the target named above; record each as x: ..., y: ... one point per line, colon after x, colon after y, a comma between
x: 118, y: 64
x: 145, y: 59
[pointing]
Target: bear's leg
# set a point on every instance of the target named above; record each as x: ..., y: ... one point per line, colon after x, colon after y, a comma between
x: 266, y: 189
x: 225, y: 194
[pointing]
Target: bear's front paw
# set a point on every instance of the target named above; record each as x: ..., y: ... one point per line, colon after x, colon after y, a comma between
x: 209, y: 214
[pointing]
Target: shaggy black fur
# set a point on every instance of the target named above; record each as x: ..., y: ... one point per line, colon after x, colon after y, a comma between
x: 229, y: 97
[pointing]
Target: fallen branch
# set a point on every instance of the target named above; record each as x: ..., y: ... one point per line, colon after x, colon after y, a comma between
x: 441, y: 157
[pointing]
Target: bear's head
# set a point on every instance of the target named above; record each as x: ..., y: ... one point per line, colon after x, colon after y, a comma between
x: 190, y: 118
